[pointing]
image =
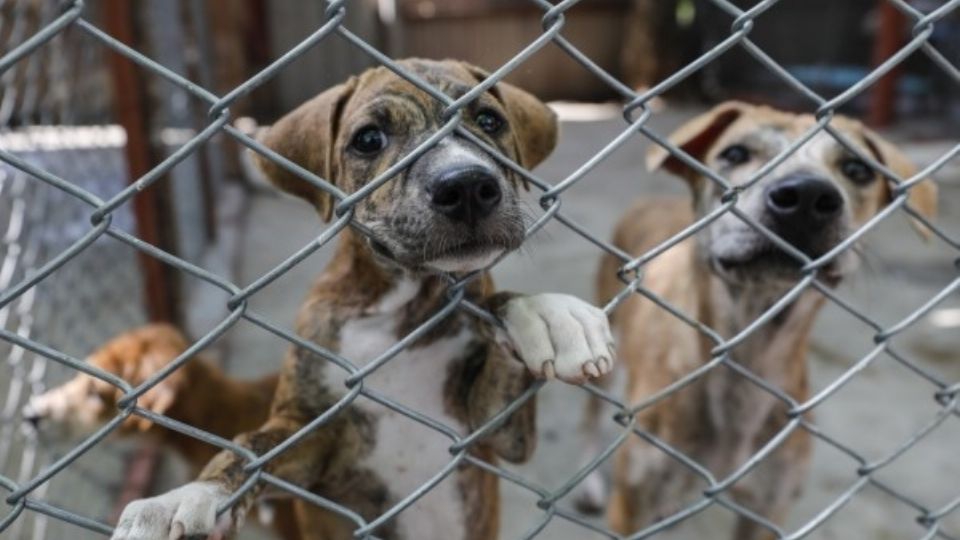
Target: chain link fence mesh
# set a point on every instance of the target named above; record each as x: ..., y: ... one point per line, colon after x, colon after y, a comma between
x: 43, y: 123
x: 41, y: 265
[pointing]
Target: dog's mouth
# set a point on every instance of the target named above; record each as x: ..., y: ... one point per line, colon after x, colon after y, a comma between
x: 466, y: 257
x: 469, y: 248
x: 766, y: 262
x: 380, y: 248
x: 459, y: 256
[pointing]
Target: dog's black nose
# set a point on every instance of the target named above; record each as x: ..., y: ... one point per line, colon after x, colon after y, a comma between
x: 466, y: 195
x: 32, y: 417
x: 802, y: 202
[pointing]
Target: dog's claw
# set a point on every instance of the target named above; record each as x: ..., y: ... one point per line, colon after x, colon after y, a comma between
x: 548, y: 371
x: 609, y: 366
x: 602, y: 368
x: 591, y: 370
x: 558, y: 335
x: 181, y: 513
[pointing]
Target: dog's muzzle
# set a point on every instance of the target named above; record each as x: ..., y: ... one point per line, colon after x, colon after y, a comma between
x: 31, y: 415
x: 802, y: 209
x: 466, y: 195
x: 459, y: 214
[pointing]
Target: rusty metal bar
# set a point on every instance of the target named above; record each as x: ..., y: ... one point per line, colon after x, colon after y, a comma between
x: 130, y: 106
x: 888, y: 40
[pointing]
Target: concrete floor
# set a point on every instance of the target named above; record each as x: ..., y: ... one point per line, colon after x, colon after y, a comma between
x: 874, y: 413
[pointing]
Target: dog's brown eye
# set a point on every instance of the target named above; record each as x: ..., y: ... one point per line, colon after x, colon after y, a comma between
x: 736, y: 154
x: 857, y: 171
x: 489, y: 121
x: 369, y: 140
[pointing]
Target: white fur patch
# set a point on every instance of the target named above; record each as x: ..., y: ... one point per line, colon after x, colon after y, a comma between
x: 397, y: 297
x: 406, y: 453
x: 69, y: 410
x: 465, y: 264
x: 558, y: 335
x: 189, y: 510
x: 592, y: 492
x: 452, y: 151
x: 644, y: 460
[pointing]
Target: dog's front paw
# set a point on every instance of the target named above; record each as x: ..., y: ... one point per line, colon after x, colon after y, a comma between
x: 189, y: 510
x: 558, y: 335
x: 590, y: 496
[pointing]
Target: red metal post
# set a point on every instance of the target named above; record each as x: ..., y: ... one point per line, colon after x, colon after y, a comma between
x: 888, y: 40
x: 129, y: 102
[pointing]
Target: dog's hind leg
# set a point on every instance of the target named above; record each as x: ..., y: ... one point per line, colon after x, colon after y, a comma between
x: 634, y: 506
x: 770, y: 490
x: 624, y: 512
x: 646, y: 481
x: 590, y: 496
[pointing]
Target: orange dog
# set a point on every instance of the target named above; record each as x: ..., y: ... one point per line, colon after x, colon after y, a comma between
x: 198, y: 394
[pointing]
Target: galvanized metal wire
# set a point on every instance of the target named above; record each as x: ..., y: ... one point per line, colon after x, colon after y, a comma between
x: 25, y: 494
x: 40, y: 126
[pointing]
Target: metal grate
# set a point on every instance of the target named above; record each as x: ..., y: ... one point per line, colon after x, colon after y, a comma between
x: 25, y: 495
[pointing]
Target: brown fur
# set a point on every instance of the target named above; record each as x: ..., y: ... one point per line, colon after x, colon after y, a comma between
x: 722, y: 419
x: 480, y: 385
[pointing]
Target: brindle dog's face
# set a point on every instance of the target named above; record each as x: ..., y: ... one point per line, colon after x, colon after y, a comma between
x: 813, y: 200
x: 453, y: 208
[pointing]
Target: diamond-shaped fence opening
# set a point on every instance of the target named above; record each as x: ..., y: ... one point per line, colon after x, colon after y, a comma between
x: 87, y: 253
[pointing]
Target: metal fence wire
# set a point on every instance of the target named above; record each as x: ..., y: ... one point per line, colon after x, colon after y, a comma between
x: 38, y: 222
x: 25, y: 495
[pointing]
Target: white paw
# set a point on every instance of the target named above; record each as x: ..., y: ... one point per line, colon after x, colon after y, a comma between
x: 35, y: 409
x: 187, y: 510
x: 558, y: 335
x: 590, y: 497
x: 56, y: 404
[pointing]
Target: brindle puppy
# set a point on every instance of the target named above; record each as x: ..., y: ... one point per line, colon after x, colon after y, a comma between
x: 453, y: 209
x: 725, y: 277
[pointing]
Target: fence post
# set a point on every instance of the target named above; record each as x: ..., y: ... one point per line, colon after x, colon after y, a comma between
x: 129, y: 102
x: 158, y: 295
x: 887, y: 41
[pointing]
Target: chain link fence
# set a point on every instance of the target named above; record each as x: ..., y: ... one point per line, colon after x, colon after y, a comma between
x: 43, y: 124
x: 104, y: 210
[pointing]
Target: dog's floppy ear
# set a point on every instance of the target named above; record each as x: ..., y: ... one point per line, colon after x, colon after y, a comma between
x: 534, y: 124
x: 922, y: 197
x: 306, y: 136
x: 695, y: 138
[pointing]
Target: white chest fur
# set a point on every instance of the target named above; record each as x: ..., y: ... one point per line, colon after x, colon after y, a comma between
x: 408, y: 454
